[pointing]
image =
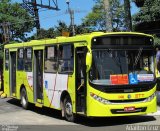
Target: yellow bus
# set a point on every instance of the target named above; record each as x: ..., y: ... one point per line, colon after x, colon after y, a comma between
x: 95, y: 75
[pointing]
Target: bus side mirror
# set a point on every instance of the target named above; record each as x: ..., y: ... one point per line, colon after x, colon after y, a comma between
x: 88, y: 61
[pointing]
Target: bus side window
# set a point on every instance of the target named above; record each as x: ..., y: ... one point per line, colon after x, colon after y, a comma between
x: 66, y: 59
x: 51, y: 59
x: 20, y: 60
x: 28, y: 59
x: 6, y: 59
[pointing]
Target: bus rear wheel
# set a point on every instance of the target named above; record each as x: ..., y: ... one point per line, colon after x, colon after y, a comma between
x: 68, y: 113
x: 24, y: 98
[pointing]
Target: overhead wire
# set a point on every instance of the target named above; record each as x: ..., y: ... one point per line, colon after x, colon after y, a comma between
x: 48, y: 17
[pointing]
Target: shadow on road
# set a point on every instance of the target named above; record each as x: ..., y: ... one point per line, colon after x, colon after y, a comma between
x: 42, y: 111
x: 111, y: 121
x: 91, y: 122
x: 14, y: 102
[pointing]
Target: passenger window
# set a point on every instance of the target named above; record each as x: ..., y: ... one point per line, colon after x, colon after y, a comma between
x: 6, y: 59
x: 66, y: 59
x: 28, y: 59
x: 20, y: 60
x: 51, y: 59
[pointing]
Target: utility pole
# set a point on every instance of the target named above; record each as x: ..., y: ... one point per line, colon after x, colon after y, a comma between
x: 33, y: 6
x: 128, y: 19
x: 108, y: 15
x: 36, y: 15
x: 71, y: 13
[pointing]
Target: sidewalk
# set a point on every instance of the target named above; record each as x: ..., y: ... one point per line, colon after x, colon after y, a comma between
x: 156, y: 113
x: 158, y: 103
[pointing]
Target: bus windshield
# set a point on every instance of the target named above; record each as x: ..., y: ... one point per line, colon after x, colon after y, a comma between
x: 119, y: 66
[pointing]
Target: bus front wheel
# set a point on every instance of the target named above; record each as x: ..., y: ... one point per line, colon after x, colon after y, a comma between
x: 24, y: 98
x: 68, y: 113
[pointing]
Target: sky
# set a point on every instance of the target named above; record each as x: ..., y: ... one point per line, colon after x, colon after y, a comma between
x: 50, y: 18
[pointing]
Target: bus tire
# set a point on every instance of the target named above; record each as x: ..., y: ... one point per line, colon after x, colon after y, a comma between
x: 68, y: 113
x: 24, y: 99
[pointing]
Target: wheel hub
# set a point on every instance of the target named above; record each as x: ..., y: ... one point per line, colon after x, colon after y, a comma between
x: 23, y: 101
x: 68, y: 108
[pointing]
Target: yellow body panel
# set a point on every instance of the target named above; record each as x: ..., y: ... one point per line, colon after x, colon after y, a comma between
x: 46, y: 103
x: 6, y: 83
x: 38, y: 105
x: 96, y: 108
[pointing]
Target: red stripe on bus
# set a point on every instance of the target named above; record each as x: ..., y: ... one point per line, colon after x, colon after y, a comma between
x: 53, y: 90
x: 30, y: 87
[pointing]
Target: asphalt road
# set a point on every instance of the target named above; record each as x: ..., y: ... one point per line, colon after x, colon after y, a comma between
x: 13, y: 117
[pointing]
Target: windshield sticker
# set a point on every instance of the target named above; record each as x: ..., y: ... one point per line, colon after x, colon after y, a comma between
x: 133, y: 78
x: 119, y: 79
x: 145, y: 77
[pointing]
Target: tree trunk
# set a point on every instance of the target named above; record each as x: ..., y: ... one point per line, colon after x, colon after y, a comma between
x: 128, y: 20
x: 108, y: 16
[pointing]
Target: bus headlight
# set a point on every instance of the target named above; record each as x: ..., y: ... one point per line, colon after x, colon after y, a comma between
x: 100, y: 99
x: 150, y: 98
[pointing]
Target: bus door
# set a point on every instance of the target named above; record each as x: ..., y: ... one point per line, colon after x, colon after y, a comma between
x: 80, y: 79
x: 12, y: 73
x: 38, y: 76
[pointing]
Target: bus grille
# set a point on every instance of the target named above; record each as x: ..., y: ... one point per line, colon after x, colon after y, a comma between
x: 121, y: 111
x: 126, y: 101
x: 127, y: 90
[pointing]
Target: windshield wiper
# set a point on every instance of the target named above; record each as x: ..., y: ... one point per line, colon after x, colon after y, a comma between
x: 137, y: 58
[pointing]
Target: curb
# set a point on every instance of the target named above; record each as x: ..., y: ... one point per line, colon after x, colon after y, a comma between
x: 155, y: 114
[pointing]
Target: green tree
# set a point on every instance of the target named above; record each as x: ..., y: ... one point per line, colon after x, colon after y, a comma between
x: 57, y: 31
x: 81, y: 29
x: 44, y: 33
x: 149, y: 12
x: 51, y: 32
x: 96, y: 18
x: 156, y: 40
x: 20, y: 20
x: 61, y: 27
x: 148, y: 18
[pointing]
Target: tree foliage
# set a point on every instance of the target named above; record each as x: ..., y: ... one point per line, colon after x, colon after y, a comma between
x: 148, y: 18
x: 20, y: 20
x: 96, y: 18
x: 156, y: 40
x: 149, y: 12
x: 58, y: 29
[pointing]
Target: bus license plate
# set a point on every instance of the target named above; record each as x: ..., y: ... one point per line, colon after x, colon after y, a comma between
x: 127, y: 109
